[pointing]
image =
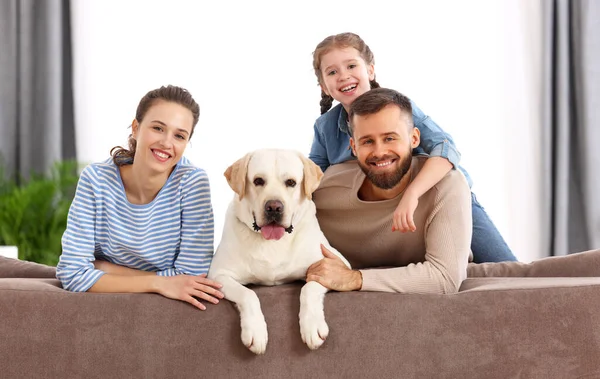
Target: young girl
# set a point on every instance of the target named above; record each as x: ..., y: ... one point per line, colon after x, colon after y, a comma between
x: 344, y: 66
x: 142, y: 221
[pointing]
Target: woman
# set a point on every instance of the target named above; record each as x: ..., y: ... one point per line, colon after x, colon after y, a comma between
x: 142, y: 221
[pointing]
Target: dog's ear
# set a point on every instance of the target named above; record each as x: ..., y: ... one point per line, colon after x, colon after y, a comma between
x: 236, y: 175
x: 312, y: 176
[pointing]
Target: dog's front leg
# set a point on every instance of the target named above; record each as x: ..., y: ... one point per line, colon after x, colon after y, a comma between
x: 313, y: 328
x: 254, y: 326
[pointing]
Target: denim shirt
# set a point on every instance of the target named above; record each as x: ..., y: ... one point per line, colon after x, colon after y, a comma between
x: 331, y: 143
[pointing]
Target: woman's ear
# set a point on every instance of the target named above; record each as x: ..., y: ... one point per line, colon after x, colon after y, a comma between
x: 135, y: 126
x: 371, y: 71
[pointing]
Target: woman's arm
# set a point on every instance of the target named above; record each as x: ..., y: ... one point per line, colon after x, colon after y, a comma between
x: 118, y: 279
x: 75, y: 268
x: 79, y: 271
x: 111, y: 268
x: 186, y: 288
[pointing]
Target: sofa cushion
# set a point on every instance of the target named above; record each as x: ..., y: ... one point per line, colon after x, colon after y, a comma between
x: 515, y: 284
x: 29, y: 284
x: 14, y: 268
x: 582, y: 264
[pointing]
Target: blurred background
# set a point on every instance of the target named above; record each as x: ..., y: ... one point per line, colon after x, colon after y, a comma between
x: 515, y: 82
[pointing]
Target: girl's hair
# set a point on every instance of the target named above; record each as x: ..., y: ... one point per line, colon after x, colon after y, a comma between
x: 341, y: 40
x: 173, y: 94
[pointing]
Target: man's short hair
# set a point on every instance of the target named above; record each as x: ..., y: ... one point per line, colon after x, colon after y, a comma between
x: 375, y: 100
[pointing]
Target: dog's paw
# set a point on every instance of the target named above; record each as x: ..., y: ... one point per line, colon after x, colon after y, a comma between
x: 254, y: 335
x: 314, y: 330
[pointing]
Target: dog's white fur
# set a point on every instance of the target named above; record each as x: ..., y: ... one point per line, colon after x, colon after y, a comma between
x: 245, y: 257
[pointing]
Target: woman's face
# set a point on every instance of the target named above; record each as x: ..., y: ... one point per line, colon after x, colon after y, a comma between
x: 162, y: 136
x: 345, y: 74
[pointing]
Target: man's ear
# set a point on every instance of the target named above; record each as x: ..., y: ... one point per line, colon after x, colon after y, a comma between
x: 353, y: 146
x: 312, y: 176
x: 415, y: 137
x: 236, y: 175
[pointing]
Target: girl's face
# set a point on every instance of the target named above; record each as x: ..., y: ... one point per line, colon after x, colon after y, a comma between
x: 162, y: 136
x: 346, y: 75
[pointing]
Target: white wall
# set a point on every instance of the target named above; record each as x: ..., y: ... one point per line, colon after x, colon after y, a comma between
x: 249, y: 65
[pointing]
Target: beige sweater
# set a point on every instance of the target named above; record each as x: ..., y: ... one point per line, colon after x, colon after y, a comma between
x: 433, y: 259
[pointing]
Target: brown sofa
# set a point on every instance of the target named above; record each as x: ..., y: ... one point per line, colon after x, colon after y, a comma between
x: 530, y: 327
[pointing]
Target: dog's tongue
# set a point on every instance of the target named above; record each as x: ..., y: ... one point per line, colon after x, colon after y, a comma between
x: 272, y: 231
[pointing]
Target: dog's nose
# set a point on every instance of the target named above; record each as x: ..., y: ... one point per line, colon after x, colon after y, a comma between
x: 273, y: 207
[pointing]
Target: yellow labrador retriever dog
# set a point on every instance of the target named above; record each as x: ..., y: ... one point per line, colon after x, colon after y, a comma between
x: 271, y: 236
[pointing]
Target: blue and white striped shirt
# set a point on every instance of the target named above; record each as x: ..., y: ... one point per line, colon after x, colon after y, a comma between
x: 171, y: 235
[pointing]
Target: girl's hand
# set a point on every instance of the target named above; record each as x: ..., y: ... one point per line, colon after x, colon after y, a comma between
x: 190, y: 288
x: 403, y: 215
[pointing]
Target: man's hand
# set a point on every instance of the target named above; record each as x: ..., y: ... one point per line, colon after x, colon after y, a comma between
x: 403, y: 215
x: 332, y: 273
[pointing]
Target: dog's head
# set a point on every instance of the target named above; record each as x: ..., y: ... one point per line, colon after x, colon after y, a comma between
x: 273, y: 187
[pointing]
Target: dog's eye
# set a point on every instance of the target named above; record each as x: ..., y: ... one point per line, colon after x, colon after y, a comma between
x: 259, y: 182
x: 290, y: 183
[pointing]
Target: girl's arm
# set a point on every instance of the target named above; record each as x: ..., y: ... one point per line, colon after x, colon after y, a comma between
x: 443, y: 156
x: 434, y: 169
x: 434, y: 141
x: 318, y: 152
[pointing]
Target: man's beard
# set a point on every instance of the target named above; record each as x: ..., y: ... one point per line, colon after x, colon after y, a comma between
x: 386, y: 180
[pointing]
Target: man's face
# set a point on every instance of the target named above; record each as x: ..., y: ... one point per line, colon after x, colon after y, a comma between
x: 383, y: 143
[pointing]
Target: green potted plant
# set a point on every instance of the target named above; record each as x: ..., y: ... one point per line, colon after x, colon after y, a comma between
x: 33, y: 212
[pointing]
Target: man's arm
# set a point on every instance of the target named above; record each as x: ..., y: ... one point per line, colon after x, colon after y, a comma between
x: 447, y: 236
x: 448, y: 245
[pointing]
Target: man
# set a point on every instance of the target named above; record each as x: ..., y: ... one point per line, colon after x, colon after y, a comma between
x: 356, y: 201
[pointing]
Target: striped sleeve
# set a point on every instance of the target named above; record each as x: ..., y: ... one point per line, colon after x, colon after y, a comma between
x: 197, y: 227
x: 75, y: 268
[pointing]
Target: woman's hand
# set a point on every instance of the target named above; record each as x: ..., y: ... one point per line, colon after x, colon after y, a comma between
x: 190, y: 288
x: 403, y: 215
